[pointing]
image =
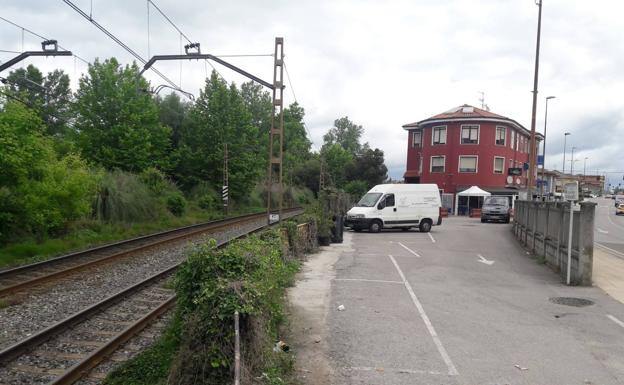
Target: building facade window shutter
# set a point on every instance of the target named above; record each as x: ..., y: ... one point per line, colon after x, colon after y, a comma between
x: 437, y: 163
x: 416, y: 138
x: 467, y: 164
x: 439, y: 135
x: 499, y: 164
x: 500, y: 135
x: 470, y: 134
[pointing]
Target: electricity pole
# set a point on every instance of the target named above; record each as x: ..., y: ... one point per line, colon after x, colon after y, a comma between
x: 276, y: 135
x: 544, y: 148
x: 533, y: 147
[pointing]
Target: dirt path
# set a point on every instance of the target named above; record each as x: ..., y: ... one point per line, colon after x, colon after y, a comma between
x: 309, y: 305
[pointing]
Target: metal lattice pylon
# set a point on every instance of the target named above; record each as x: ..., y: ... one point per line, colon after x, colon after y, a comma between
x: 276, y: 136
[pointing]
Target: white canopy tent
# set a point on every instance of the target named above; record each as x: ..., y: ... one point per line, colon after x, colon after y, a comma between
x: 473, y: 191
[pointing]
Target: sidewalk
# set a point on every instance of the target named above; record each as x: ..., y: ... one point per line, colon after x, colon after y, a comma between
x: 608, y: 274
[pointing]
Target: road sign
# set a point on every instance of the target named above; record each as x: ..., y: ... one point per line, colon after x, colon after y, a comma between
x: 570, y: 191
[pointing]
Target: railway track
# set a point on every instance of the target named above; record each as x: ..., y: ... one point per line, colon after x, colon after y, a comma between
x: 70, y: 349
x: 28, y: 276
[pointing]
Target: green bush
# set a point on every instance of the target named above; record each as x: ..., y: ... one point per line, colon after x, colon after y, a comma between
x: 155, y: 180
x: 123, y: 197
x: 176, y: 204
x: 248, y: 276
x: 356, y: 188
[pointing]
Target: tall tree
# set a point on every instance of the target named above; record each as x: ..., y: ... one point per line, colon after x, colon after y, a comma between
x: 368, y: 166
x: 345, y: 133
x: 173, y: 113
x: 118, y: 125
x: 219, y: 117
x: 49, y: 96
x: 296, y: 143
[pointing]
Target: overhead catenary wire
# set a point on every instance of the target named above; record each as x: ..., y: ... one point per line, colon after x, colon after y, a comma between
x: 292, y: 90
x: 121, y: 43
x: 39, y: 36
x: 182, y: 35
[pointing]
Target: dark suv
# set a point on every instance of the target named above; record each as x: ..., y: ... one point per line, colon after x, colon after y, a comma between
x: 495, y: 209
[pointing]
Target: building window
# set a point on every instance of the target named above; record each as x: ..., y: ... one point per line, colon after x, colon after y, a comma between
x: 416, y: 138
x: 513, y: 139
x: 501, y: 133
x: 439, y: 135
x: 499, y: 164
x: 468, y: 163
x: 437, y: 163
x: 469, y: 134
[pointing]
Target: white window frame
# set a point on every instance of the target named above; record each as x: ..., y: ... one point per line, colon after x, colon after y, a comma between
x: 502, y: 168
x: 431, y: 164
x: 504, y: 135
x: 433, y: 129
x: 461, y: 132
x: 413, y: 141
x: 512, y: 138
x: 468, y: 172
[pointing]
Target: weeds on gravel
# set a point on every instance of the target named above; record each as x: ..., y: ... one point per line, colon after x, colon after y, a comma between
x: 249, y: 276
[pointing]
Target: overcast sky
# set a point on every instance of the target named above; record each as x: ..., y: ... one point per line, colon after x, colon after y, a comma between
x: 382, y: 63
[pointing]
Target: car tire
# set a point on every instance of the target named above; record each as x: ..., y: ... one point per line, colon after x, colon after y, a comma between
x: 375, y: 226
x: 425, y: 226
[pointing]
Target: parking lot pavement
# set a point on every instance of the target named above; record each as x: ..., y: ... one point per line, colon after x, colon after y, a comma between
x: 464, y: 305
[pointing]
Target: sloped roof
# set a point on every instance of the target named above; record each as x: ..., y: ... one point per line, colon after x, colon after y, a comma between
x: 467, y: 113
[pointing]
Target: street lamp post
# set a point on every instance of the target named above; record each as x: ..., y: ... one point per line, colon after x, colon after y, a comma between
x: 585, y: 166
x: 565, y: 136
x: 572, y: 162
x: 544, y: 147
x: 533, y: 147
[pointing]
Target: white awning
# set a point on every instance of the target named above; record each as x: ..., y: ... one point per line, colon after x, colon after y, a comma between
x: 474, y: 191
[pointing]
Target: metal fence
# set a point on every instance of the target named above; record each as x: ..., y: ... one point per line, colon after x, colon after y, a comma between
x: 543, y: 228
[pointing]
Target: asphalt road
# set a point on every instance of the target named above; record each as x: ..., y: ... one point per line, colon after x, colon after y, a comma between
x: 464, y: 305
x: 609, y: 228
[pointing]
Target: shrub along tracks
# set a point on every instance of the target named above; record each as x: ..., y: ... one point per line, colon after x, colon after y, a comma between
x: 67, y: 350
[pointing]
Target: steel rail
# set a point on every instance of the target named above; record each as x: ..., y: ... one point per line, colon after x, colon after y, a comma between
x: 94, y: 358
x: 195, y: 229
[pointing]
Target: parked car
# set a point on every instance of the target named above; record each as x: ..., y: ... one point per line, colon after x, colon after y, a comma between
x: 619, y: 209
x: 495, y: 209
x: 397, y: 206
x: 618, y: 199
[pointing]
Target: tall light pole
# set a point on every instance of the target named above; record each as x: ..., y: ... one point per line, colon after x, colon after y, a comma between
x: 585, y: 166
x: 533, y: 147
x: 565, y: 136
x: 544, y: 146
x: 572, y: 162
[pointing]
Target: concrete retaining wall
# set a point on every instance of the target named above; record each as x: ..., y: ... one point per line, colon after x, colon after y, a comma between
x: 543, y: 228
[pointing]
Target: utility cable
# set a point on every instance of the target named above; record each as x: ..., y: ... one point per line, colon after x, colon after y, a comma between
x: 121, y: 43
x: 292, y: 90
x: 39, y: 36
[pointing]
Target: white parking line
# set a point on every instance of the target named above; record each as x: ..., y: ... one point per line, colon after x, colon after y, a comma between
x: 602, y: 231
x: 410, y: 250
x: 366, y: 280
x: 609, y: 250
x: 452, y: 371
x: 431, y: 236
x: 614, y: 319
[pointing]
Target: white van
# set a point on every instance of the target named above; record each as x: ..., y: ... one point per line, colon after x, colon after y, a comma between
x: 397, y: 206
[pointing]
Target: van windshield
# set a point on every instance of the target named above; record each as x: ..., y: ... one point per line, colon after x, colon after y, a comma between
x: 369, y: 200
x: 496, y: 201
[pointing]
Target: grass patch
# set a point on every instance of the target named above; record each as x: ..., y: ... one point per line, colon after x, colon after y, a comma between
x: 89, y: 233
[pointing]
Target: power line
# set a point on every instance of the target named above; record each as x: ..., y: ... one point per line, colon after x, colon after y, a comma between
x: 9, y: 51
x: 292, y: 90
x: 121, y: 43
x: 182, y: 34
x: 39, y: 36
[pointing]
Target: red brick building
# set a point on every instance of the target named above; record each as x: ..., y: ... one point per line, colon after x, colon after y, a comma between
x: 467, y: 146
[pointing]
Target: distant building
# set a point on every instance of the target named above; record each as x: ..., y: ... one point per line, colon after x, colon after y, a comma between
x: 467, y: 146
